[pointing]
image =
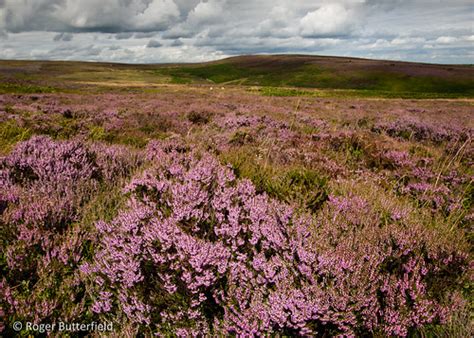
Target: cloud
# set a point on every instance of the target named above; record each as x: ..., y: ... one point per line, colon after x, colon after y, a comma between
x: 141, y: 35
x: 191, y: 30
x: 331, y: 19
x: 157, y: 15
x: 280, y: 22
x: 153, y: 44
x: 176, y: 43
x: 63, y: 37
x: 400, y: 41
x: 88, y: 15
x: 446, y: 39
x: 207, y: 12
x: 124, y: 35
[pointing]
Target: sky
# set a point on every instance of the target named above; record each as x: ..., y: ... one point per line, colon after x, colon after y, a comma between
x: 162, y: 31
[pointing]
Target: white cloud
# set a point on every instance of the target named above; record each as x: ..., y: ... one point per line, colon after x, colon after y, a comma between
x: 400, y: 41
x: 207, y: 12
x: 280, y: 22
x: 446, y: 39
x: 329, y: 19
x: 157, y: 13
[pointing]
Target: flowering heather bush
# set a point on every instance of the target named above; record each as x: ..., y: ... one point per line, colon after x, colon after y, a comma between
x: 393, y: 273
x: 261, y: 127
x: 45, y: 185
x: 411, y: 128
x: 199, y: 252
x: 415, y: 177
x: 316, y: 124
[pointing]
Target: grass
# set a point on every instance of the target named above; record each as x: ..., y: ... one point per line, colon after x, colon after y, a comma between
x: 25, y: 88
x: 294, y: 184
x: 354, y: 93
x: 10, y: 134
x: 219, y: 73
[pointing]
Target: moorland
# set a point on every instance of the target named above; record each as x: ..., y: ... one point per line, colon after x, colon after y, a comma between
x: 283, y: 194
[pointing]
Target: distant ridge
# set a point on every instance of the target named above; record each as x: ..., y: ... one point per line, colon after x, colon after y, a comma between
x: 304, y: 71
x: 330, y: 72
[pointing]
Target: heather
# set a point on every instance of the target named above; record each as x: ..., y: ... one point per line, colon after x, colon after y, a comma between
x: 228, y: 213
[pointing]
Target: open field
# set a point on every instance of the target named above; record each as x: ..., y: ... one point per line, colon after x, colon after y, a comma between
x: 255, y: 195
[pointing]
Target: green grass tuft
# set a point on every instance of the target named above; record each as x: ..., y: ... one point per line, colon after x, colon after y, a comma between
x: 305, y: 187
x: 11, y: 133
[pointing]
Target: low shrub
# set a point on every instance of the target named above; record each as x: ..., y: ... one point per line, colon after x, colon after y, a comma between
x: 47, y: 187
x: 199, y: 252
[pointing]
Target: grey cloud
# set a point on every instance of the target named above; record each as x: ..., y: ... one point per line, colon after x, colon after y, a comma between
x: 89, y: 53
x: 122, y: 36
x: 138, y: 35
x: 145, y: 35
x: 153, y: 44
x: 88, y: 15
x: 176, y: 43
x: 178, y: 32
x: 63, y: 37
x: 30, y: 15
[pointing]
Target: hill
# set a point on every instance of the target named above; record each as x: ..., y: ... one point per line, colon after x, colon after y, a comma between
x: 301, y: 71
x: 330, y: 72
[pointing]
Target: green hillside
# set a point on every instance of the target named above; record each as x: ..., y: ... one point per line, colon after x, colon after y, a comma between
x: 328, y: 73
x: 280, y: 75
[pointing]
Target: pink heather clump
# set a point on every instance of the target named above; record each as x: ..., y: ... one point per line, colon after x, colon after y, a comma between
x: 399, y: 158
x: 416, y: 178
x: 415, y: 129
x: 103, y: 303
x: 436, y: 197
x: 198, y: 252
x: 46, y: 185
x: 259, y: 127
x: 48, y: 182
x: 389, y: 272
